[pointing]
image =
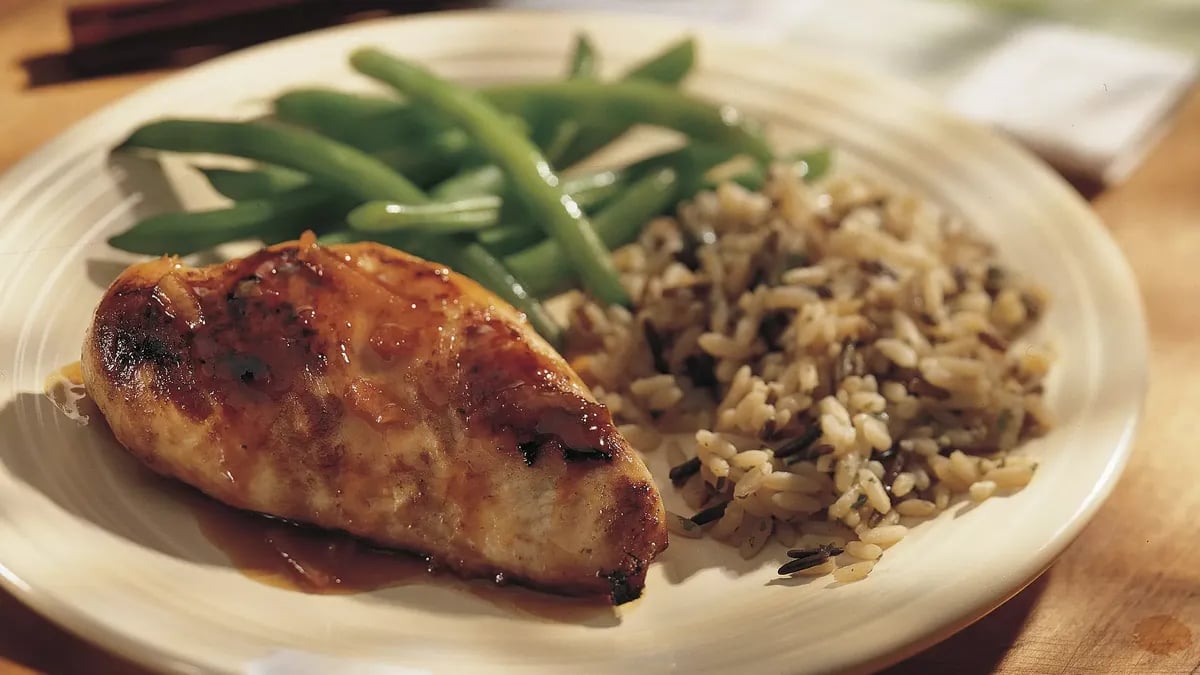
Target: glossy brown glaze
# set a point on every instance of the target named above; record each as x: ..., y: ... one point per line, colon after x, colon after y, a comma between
x: 361, y: 389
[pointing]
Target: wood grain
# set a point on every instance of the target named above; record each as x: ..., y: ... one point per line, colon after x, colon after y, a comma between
x: 1124, y: 598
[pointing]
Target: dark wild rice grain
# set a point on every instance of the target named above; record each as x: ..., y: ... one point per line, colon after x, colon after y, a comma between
x: 679, y: 474
x: 994, y: 341
x: 800, y: 443
x: 701, y: 369
x: 710, y: 514
x: 823, y: 549
x: 800, y: 564
x: 655, y: 344
x: 810, y: 454
x: 892, y: 468
x: 920, y: 387
x: 878, y: 269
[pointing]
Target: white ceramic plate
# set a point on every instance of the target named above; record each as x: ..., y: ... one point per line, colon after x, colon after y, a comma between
x: 88, y: 540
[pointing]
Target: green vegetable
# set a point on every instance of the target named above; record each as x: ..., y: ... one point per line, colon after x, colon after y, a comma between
x: 668, y: 67
x: 593, y: 189
x: 467, y: 215
x: 328, y: 162
x: 339, y: 237
x: 266, y: 180
x: 370, y: 122
x: 315, y: 107
x: 636, y: 102
x: 583, y: 61
x: 816, y: 163
x: 811, y: 166
x: 506, y: 239
x: 480, y: 180
x: 622, y: 220
x: 545, y: 267
x: 531, y: 179
x: 419, y: 145
x: 470, y: 213
x: 432, y: 161
x: 262, y: 182
x: 366, y: 162
x: 554, y: 134
x: 268, y: 219
x: 693, y: 162
x: 588, y: 189
x: 366, y: 122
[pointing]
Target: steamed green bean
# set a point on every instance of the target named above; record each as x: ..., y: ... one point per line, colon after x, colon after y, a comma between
x: 468, y: 215
x: 326, y: 161
x: 555, y: 135
x: 668, y: 67
x: 253, y: 184
x: 479, y: 180
x: 471, y: 213
x: 531, y: 178
x: 547, y: 270
x: 268, y: 218
x: 636, y: 102
x: 365, y: 122
x: 468, y: 178
x: 509, y: 238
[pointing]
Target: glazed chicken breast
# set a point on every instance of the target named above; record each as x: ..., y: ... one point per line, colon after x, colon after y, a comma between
x: 362, y: 389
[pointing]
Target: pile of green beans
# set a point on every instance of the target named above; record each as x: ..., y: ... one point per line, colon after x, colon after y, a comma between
x: 466, y: 177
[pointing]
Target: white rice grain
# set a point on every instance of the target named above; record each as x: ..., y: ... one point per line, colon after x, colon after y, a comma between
x: 1009, y: 477
x: 784, y: 481
x: 981, y: 490
x: 840, y: 508
x: 898, y: 352
x: 854, y: 572
x: 796, y: 502
x: 964, y: 467
x: 877, y: 497
x: 916, y: 508
x: 750, y: 459
x: 863, y: 551
x: 884, y: 536
x: 751, y: 481
x: 903, y: 484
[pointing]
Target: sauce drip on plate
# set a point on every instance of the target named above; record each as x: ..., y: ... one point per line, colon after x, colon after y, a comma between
x: 64, y: 388
x: 312, y: 560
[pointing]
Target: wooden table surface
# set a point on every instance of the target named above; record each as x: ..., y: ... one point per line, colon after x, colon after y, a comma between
x: 1124, y: 598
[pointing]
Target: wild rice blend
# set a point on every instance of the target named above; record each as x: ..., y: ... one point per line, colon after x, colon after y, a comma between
x: 824, y: 364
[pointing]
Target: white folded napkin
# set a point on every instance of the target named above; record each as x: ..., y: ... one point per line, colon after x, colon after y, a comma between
x: 1090, y: 104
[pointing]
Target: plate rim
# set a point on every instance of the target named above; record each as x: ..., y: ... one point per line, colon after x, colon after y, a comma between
x: 156, y: 655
